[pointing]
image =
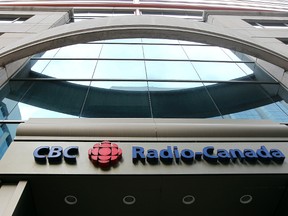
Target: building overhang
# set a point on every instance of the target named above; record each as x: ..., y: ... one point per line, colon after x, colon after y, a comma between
x: 142, y: 187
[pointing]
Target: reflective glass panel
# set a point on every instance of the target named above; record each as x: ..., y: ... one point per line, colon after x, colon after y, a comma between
x: 260, y: 75
x: 7, y: 132
x: 122, y: 40
x: 123, y: 100
x: 122, y: 51
x: 170, y: 86
x: 240, y: 99
x: 121, y: 85
x: 191, y: 43
x: 39, y: 66
x: 73, y: 69
x: 206, y: 53
x: 80, y: 51
x: 164, y: 79
x: 247, y: 114
x: 272, y: 111
x: 232, y: 54
x: 159, y: 41
x: 50, y: 99
x: 163, y: 52
x: 28, y: 111
x: 170, y: 70
x: 10, y: 95
x: 156, y: 59
x: 120, y: 70
x: 193, y: 102
x: 218, y: 71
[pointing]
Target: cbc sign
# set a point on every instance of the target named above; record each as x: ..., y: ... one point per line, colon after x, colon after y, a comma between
x: 107, y: 154
x: 55, y: 154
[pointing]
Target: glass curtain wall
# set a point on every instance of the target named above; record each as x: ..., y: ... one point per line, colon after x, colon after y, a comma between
x: 143, y: 78
x: 140, y: 78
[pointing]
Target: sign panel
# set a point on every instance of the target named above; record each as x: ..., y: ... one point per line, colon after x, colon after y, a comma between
x: 104, y: 157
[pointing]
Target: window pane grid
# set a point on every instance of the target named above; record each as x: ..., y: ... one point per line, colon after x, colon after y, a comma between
x: 14, y: 19
x: 269, y: 24
x: 141, y: 78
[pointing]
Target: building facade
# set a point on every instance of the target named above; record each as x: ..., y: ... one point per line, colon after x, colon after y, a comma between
x: 143, y: 108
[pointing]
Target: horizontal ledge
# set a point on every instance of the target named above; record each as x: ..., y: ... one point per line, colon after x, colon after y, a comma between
x: 151, y: 128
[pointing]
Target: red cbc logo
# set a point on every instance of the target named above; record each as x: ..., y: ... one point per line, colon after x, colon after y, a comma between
x: 105, y: 154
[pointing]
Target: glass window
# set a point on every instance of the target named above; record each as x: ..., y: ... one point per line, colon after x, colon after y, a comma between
x: 203, y: 64
x: 159, y: 41
x: 274, y: 24
x: 84, y: 14
x: 117, y: 100
x: 28, y: 111
x: 207, y: 53
x: 193, y: 102
x: 170, y: 70
x: 235, y: 97
x: 145, y: 78
x: 163, y: 52
x: 218, y: 71
x: 7, y: 132
x: 7, y: 105
x: 191, y: 43
x: 169, y: 86
x: 121, y: 41
x: 13, y: 19
x: 274, y: 112
x: 284, y: 40
x: 122, y: 51
x: 268, y: 23
x: 50, y: 99
x: 271, y: 111
x: 11, y: 94
x: 115, y: 69
x: 195, y: 15
x: 121, y: 85
x: 73, y: 69
x: 247, y: 114
x: 40, y: 65
x: 79, y: 51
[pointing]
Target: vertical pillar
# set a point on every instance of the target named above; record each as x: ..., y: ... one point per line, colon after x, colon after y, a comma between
x: 10, y: 195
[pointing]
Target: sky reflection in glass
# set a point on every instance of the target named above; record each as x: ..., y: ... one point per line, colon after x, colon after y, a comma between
x: 125, y: 51
x: 163, y: 52
x: 80, y: 51
x: 73, y: 69
x: 28, y: 111
x: 39, y: 66
x: 172, y: 70
x: 218, y: 71
x: 120, y: 70
x: 169, y: 62
x: 206, y: 53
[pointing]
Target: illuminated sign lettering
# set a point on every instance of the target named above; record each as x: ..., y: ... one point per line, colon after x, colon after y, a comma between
x: 169, y: 154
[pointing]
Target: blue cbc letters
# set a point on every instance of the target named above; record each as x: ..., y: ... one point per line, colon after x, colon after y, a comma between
x: 55, y: 154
